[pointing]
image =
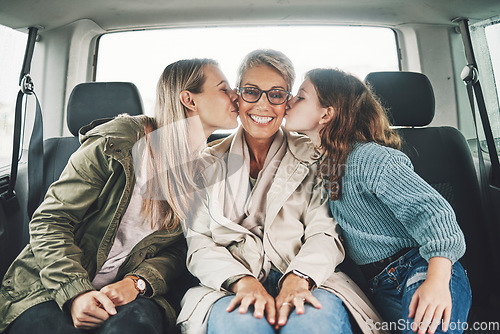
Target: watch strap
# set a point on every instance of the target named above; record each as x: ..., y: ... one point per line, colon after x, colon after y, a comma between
x: 139, y: 283
x: 309, y: 280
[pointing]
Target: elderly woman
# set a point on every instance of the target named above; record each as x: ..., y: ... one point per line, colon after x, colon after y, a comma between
x: 263, y: 242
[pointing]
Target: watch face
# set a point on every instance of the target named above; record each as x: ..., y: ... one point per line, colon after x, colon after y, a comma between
x: 141, y: 285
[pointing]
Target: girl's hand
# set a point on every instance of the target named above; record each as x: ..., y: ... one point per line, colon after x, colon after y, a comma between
x: 431, y: 304
x: 294, y: 293
x: 250, y: 291
x: 90, y: 309
x: 121, y: 292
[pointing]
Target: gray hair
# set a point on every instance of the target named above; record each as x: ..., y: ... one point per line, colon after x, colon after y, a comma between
x: 272, y: 58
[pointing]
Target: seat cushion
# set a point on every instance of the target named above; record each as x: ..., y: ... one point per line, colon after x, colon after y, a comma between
x: 441, y: 156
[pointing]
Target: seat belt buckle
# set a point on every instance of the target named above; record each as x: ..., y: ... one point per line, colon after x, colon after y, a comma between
x: 10, y: 203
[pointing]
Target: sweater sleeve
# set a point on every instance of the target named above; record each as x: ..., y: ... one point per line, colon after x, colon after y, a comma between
x: 425, y: 214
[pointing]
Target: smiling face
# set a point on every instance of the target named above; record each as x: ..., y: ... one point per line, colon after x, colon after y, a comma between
x: 261, y: 120
x: 306, y: 113
x: 215, y: 105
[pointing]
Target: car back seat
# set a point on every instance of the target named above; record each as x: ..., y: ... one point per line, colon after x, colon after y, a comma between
x: 441, y: 156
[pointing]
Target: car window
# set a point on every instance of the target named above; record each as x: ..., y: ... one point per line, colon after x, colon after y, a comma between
x: 140, y: 56
x: 12, y: 45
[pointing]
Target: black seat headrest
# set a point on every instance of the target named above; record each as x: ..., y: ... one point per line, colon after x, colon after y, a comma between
x: 408, y: 96
x: 93, y: 100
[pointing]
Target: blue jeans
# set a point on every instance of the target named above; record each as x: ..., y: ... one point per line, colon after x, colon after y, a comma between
x: 139, y: 316
x: 393, y: 288
x: 331, y: 318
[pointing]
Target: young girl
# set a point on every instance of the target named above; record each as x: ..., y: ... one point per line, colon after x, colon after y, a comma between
x: 401, y: 231
x: 106, y: 243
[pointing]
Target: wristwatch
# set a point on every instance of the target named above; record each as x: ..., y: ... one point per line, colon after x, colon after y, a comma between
x: 139, y: 283
x: 304, y: 276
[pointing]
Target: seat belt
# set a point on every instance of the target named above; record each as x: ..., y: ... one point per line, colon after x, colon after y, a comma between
x: 9, y: 199
x: 35, y: 162
x: 470, y: 75
x: 35, y: 149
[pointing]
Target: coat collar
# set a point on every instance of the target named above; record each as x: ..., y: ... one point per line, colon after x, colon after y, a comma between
x: 124, y: 128
x: 121, y: 133
x: 294, y: 168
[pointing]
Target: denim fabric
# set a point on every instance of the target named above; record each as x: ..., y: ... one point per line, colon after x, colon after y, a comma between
x: 139, y: 316
x: 43, y: 318
x: 331, y: 318
x: 393, y: 288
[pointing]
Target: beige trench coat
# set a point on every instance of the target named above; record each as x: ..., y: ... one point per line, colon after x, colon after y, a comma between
x: 299, y: 234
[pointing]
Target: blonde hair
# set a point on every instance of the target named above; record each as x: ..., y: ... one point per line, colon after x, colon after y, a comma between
x: 170, y: 172
x: 272, y: 58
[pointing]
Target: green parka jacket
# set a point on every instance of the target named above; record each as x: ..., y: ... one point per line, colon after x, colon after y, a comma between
x: 72, y: 231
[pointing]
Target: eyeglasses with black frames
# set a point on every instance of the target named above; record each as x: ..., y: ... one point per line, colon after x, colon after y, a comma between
x: 253, y: 94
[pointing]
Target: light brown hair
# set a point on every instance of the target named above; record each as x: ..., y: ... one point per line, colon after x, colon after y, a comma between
x: 358, y: 117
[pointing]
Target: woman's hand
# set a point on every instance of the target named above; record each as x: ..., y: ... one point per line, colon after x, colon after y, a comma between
x: 294, y: 293
x: 250, y: 291
x: 431, y: 303
x: 90, y: 309
x: 121, y: 292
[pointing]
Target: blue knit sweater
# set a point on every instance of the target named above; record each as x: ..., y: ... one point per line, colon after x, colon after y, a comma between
x: 385, y: 206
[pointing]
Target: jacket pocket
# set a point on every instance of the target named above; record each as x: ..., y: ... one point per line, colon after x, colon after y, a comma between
x: 22, y: 278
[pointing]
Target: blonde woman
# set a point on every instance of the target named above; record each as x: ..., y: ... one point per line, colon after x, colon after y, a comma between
x: 106, y: 242
x: 264, y: 247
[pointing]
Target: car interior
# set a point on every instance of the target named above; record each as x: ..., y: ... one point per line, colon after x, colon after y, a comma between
x: 443, y: 98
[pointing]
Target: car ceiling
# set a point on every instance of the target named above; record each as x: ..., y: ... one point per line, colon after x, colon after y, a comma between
x: 126, y: 14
